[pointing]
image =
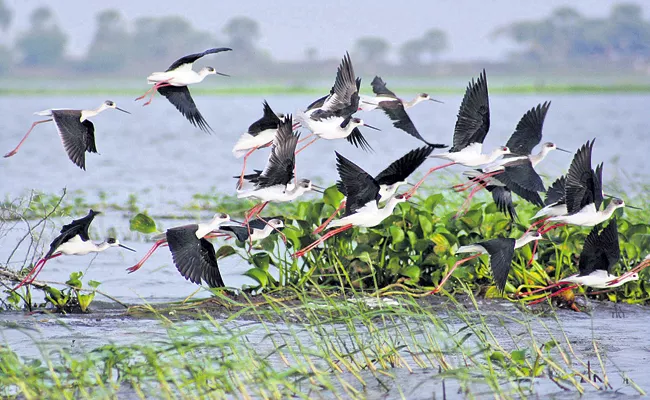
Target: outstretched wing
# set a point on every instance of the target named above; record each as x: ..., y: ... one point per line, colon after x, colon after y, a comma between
x: 358, y: 140
x: 600, y: 251
x: 268, y: 121
x: 209, y: 265
x: 401, y: 120
x: 522, y: 174
x: 473, y: 121
x: 502, y: 197
x: 379, y: 88
x: 360, y: 187
x: 240, y: 232
x: 501, y: 251
x: 555, y: 192
x: 528, y: 133
x: 74, y: 135
x: 79, y: 227
x: 582, y: 183
x: 90, y: 136
x: 344, y: 96
x: 181, y: 98
x: 282, y: 160
x: 189, y: 60
x: 404, y: 166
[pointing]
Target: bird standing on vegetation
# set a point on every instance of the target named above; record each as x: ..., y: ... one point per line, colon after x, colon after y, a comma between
x: 330, y: 117
x: 73, y: 240
x: 76, y: 131
x: 173, y: 85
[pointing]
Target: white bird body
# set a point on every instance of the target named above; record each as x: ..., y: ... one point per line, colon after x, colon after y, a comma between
x: 248, y: 142
x: 588, y: 215
x: 77, y: 246
x: 327, y: 128
x: 471, y: 156
x: 552, y: 210
x: 83, y: 114
x: 213, y: 225
x: 369, y: 215
x: 181, y: 76
x: 276, y: 193
x: 521, y: 242
x: 471, y: 248
x: 259, y: 234
x: 369, y: 103
x: 600, y: 279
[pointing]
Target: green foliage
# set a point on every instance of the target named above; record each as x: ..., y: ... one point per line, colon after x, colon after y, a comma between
x: 72, y: 298
x: 142, y: 223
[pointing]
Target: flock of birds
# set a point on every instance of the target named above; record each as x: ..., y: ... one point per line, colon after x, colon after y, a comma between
x: 574, y: 199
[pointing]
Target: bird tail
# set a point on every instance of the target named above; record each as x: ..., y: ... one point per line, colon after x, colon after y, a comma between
x: 543, y: 212
x: 159, y: 236
x: 156, y: 77
x: 436, y: 145
x: 470, y: 248
x: 302, y: 119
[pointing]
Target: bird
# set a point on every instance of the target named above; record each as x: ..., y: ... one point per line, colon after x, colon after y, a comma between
x: 600, y: 253
x: 554, y: 203
x: 395, y: 109
x: 362, y: 204
x: 201, y: 230
x: 382, y: 94
x: 194, y: 256
x: 472, y: 126
x: 259, y: 134
x: 330, y: 117
x: 74, y: 239
x: 519, y: 175
x: 389, y: 180
x: 76, y: 131
x: 260, y: 228
x: 276, y: 181
x: 583, y: 194
x: 173, y: 85
x: 500, y: 250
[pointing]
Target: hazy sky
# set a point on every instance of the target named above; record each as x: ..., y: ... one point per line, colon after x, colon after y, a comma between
x: 290, y: 26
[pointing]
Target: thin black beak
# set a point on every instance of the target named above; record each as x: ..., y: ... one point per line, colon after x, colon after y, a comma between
x: 128, y: 248
x: 371, y: 127
x: 237, y: 222
x: 566, y: 151
x: 410, y: 184
x: 124, y: 111
x: 219, y: 73
x: 317, y: 187
x: 436, y: 101
x: 317, y: 190
x: 636, y: 208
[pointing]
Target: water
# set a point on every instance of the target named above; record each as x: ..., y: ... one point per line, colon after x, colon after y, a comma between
x: 158, y: 155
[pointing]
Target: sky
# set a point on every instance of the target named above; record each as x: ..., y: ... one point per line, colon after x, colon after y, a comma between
x: 288, y: 27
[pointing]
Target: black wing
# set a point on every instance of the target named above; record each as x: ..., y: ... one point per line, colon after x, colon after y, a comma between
x: 361, y: 188
x: 317, y: 103
x: 282, y: 161
x: 358, y: 140
x: 181, y: 98
x: 502, y: 197
x: 240, y: 232
x: 268, y: 121
x: 74, y: 135
x: 261, y: 223
x: 90, y: 136
x: 76, y: 227
x: 528, y: 133
x: 600, y: 251
x: 582, y: 184
x: 193, y: 57
x: 523, y: 175
x: 379, y: 88
x: 598, y: 189
x: 401, y: 120
x: 194, y: 258
x: 555, y: 192
x: 473, y: 121
x: 404, y: 166
x: 209, y: 265
x: 501, y: 251
x: 343, y: 100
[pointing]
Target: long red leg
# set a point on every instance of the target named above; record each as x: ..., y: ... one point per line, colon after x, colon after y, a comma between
x: 458, y: 263
x: 328, y: 235
x: 544, y: 229
x: 417, y: 185
x: 156, y: 86
x: 153, y: 88
x: 468, y: 200
x: 35, y: 271
x: 331, y: 217
x: 532, y: 303
x: 534, y: 224
x: 307, y: 145
x: 243, y: 170
x: 306, y: 137
x: 532, y: 256
x: 545, y: 288
x: 146, y: 256
x: 14, y: 151
x: 461, y: 187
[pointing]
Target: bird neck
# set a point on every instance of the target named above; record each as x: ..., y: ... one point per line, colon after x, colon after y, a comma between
x: 411, y: 103
x: 524, y: 240
x: 623, y: 281
x: 537, y: 158
x: 85, y: 114
x: 389, y: 207
x: 102, y: 246
x: 607, y: 212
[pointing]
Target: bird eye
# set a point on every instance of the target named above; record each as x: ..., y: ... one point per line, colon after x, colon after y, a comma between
x: 504, y: 149
x: 223, y: 216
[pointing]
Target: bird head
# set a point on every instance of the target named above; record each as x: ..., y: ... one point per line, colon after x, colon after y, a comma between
x: 425, y: 97
x: 110, y: 104
x: 112, y: 242
x: 549, y: 146
x: 207, y: 71
x: 276, y: 223
x: 220, y: 218
x: 354, y: 122
x: 502, y: 150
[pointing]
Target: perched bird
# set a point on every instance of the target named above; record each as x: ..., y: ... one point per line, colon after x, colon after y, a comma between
x: 472, y: 126
x: 173, y: 85
x: 331, y: 117
x: 201, y: 231
x: 389, y: 180
x: 395, y: 109
x: 599, y: 254
x: 260, y: 134
x: 276, y: 182
x: 260, y: 228
x: 76, y: 131
x: 501, y: 251
x: 362, y: 204
x: 73, y: 240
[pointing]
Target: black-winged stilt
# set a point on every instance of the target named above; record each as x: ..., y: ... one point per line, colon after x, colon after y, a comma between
x: 362, y: 203
x: 500, y: 250
x: 201, y: 231
x: 194, y: 255
x: 258, y: 229
x: 395, y: 109
x: 389, y: 180
x: 73, y: 240
x: 383, y: 94
x: 76, y: 131
x: 173, y: 85
x: 331, y: 117
x: 599, y: 254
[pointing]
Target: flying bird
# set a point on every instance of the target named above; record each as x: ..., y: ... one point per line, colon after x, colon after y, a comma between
x: 257, y: 229
x: 76, y: 131
x: 173, y: 85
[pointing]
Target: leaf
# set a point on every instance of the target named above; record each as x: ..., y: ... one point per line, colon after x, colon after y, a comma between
x: 93, y: 284
x: 397, y: 234
x: 518, y: 356
x: 550, y: 344
x: 225, y: 251
x: 85, y: 300
x: 75, y: 279
x: 425, y: 224
x: 260, y: 276
x: 332, y: 197
x: 261, y: 260
x: 442, y: 244
x: 142, y: 223
x: 412, y: 271
x: 498, y: 357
